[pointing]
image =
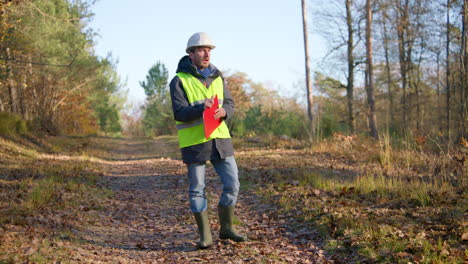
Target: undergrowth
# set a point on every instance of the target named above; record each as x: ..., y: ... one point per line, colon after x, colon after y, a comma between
x: 12, y: 124
x: 370, y: 201
x: 43, y: 193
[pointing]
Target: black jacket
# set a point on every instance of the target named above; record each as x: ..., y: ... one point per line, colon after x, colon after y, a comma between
x: 218, y: 148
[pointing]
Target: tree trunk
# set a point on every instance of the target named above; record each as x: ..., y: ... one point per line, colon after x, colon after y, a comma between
x: 33, y: 105
x: 21, y: 87
x: 307, y: 63
x: 447, y: 84
x: 417, y: 91
x: 11, y: 85
x: 350, y: 85
x: 2, y: 108
x: 416, y: 77
x: 370, y: 87
x: 29, y: 106
x: 409, y: 38
x: 391, y: 111
x: 401, y: 16
x: 439, y: 105
x: 464, y: 71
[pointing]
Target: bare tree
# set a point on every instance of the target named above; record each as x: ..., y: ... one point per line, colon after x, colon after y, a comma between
x: 307, y: 68
x: 351, y: 64
x: 448, y: 73
x: 439, y: 106
x: 340, y: 23
x: 11, y: 84
x: 386, y: 40
x: 464, y: 70
x: 402, y: 22
x: 370, y: 75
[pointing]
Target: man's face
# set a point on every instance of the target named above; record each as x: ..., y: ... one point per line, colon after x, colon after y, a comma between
x: 200, y: 57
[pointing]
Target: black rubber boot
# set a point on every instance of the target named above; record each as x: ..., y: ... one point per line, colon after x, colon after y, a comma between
x: 227, y: 231
x: 203, y: 223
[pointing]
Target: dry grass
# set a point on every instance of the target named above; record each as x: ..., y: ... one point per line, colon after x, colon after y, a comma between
x: 370, y: 200
x: 42, y: 192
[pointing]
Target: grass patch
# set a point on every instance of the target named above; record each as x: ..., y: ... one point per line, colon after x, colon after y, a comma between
x: 370, y: 201
x: 12, y: 124
x: 61, y: 186
x: 43, y: 194
x: 10, y: 148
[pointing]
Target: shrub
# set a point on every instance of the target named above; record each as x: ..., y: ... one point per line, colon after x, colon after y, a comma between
x: 276, y: 122
x: 12, y: 124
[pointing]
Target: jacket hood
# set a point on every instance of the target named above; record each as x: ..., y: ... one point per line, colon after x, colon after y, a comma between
x: 185, y: 65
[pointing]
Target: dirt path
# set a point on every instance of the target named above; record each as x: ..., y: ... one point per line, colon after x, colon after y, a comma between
x: 148, y: 220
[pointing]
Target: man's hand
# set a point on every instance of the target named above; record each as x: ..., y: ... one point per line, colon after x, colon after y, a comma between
x: 209, y: 102
x: 220, y: 112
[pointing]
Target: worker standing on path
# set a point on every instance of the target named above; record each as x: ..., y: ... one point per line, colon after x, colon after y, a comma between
x: 193, y: 88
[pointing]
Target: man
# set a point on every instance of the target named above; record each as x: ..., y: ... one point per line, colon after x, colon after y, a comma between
x: 192, y: 91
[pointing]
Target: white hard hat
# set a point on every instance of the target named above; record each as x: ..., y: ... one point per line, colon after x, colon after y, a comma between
x: 200, y: 39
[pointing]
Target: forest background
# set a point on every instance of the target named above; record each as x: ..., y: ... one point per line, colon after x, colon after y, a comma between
x: 394, y: 106
x: 52, y: 77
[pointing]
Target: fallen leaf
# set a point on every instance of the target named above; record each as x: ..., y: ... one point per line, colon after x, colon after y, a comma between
x: 464, y: 237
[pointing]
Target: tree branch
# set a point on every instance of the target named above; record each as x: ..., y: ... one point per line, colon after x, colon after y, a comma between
x: 70, y: 91
x: 39, y: 63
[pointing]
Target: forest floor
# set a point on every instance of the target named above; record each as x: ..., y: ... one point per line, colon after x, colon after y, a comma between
x: 107, y: 200
x: 144, y: 218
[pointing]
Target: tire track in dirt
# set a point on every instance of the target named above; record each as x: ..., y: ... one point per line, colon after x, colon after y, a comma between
x: 147, y: 220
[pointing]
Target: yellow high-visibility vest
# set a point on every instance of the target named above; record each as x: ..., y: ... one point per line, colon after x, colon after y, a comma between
x: 192, y: 132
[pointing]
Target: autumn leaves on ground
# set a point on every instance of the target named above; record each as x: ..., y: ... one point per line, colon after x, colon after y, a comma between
x: 345, y: 200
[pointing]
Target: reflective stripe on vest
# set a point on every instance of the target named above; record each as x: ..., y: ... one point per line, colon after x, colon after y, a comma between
x: 192, y: 132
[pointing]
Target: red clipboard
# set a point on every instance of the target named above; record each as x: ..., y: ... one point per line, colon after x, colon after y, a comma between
x: 210, y: 123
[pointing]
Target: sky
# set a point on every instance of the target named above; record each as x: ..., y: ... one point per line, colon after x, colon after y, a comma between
x: 262, y: 38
